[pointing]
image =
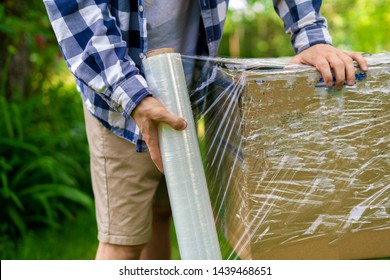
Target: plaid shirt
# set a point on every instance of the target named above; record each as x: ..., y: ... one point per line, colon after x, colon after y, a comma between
x: 104, y: 41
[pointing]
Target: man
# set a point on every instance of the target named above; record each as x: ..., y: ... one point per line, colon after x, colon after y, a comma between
x: 103, y: 43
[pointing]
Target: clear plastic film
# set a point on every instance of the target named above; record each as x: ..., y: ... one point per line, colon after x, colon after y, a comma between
x: 183, y: 168
x: 294, y: 170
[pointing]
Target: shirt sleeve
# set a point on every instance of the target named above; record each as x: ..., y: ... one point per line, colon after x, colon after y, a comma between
x: 93, y: 48
x: 302, y: 20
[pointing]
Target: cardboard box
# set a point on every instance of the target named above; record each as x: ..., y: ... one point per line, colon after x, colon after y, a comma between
x: 296, y: 171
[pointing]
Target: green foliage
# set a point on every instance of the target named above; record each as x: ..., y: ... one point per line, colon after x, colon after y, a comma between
x: 75, y: 240
x: 257, y: 31
x: 28, y: 48
x: 43, y: 164
x: 359, y: 25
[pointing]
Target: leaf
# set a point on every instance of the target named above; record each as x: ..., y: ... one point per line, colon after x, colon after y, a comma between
x: 47, y: 207
x: 5, y: 116
x: 67, y: 213
x: 7, y: 143
x: 17, y: 220
x: 5, y: 189
x: 40, y: 167
x: 16, y: 200
x: 4, y: 165
x: 17, y: 119
x: 59, y: 191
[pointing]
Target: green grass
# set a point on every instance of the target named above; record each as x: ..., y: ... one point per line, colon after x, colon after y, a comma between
x: 75, y: 240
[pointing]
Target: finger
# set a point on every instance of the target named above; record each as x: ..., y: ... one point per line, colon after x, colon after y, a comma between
x: 322, y: 65
x: 338, y: 67
x: 359, y: 59
x: 152, y: 109
x: 349, y: 69
x: 296, y: 60
x: 152, y: 141
x: 292, y: 64
x: 163, y: 115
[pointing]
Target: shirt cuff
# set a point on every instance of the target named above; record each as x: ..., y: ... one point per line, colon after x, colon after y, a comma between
x: 310, y: 36
x: 128, y: 94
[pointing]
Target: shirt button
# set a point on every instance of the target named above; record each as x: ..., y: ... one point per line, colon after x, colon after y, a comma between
x: 142, y: 55
x: 141, y: 8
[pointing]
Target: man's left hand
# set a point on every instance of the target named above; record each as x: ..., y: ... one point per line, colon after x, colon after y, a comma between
x: 326, y: 58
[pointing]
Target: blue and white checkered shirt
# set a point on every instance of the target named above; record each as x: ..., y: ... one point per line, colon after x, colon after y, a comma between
x: 104, y: 41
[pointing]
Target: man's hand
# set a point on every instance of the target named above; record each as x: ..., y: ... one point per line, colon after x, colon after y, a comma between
x: 148, y: 114
x: 326, y: 57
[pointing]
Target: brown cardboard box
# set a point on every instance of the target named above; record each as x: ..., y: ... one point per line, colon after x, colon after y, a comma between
x: 306, y: 172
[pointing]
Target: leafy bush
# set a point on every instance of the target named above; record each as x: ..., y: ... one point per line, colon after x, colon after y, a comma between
x: 44, y: 162
x: 44, y: 168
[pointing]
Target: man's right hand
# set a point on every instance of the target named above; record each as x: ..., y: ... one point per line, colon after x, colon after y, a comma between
x: 148, y: 114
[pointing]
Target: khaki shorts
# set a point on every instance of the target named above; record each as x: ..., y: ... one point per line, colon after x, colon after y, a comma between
x: 126, y: 185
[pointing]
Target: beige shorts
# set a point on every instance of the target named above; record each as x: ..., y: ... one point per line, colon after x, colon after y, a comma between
x: 126, y: 185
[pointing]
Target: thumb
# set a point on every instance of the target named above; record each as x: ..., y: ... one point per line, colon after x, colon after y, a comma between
x: 172, y: 120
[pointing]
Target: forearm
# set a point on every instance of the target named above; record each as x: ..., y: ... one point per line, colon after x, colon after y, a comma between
x: 92, y: 45
x: 303, y: 22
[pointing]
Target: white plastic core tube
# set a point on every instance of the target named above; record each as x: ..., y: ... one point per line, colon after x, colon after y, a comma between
x: 183, y: 168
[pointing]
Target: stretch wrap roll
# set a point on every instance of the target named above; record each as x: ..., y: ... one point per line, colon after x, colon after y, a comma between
x: 183, y: 168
